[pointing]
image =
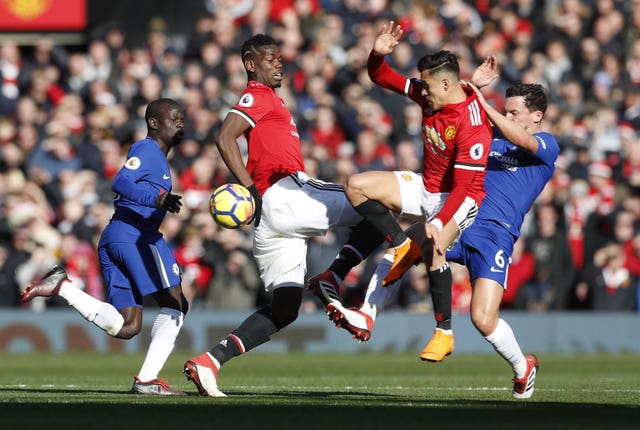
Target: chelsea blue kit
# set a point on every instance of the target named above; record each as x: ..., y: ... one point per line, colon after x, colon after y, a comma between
x: 134, y: 257
x: 514, y: 179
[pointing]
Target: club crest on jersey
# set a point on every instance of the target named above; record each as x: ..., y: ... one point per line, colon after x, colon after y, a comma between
x: 450, y: 132
x: 176, y: 269
x: 432, y: 135
x: 476, y: 151
x: 132, y: 163
x: 406, y: 177
x: 246, y: 100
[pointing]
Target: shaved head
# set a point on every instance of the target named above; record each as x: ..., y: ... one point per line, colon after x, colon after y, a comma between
x: 157, y: 107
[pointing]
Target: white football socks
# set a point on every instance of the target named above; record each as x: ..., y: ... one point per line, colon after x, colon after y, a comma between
x: 505, y: 344
x: 163, y: 337
x: 377, y: 295
x: 93, y: 310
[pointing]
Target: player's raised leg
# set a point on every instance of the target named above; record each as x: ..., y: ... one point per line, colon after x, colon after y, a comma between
x: 362, y: 241
x: 56, y: 283
x: 359, y: 322
x: 374, y: 195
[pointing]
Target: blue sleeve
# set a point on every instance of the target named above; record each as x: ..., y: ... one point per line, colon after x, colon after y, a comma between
x: 136, y: 181
x: 548, y: 148
x: 134, y: 188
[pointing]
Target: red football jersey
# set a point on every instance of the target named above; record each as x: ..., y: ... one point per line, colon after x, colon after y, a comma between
x: 456, y: 138
x: 273, y: 139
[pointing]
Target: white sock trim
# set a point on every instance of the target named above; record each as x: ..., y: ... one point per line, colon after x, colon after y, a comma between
x: 215, y: 362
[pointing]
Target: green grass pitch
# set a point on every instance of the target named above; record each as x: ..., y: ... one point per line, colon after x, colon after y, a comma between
x: 321, y: 391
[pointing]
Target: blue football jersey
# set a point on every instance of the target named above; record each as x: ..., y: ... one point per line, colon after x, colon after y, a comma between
x: 137, y: 185
x: 515, y: 178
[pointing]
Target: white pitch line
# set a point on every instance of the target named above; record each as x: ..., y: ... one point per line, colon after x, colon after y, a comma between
x: 427, y: 388
x: 347, y: 389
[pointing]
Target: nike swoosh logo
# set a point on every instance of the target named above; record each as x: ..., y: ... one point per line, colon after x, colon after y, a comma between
x: 165, y: 176
x: 493, y: 269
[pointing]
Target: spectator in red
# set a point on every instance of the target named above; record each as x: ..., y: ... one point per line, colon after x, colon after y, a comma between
x: 601, y: 188
x: 371, y: 153
x: 632, y: 251
x: 326, y: 131
x: 189, y: 255
x: 81, y: 263
x: 521, y: 271
x: 607, y: 284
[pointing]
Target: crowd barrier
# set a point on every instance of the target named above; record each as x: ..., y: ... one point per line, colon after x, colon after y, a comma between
x: 62, y: 330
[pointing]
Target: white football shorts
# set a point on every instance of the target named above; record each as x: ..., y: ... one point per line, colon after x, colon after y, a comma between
x: 293, y: 209
x: 422, y: 206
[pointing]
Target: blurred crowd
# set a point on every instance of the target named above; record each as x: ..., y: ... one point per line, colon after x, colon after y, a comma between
x: 68, y: 115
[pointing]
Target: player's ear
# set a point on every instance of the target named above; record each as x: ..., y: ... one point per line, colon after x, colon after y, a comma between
x: 538, y: 116
x: 250, y: 65
x: 152, y: 123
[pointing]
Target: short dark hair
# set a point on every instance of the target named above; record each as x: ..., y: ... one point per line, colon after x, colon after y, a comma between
x: 250, y: 45
x: 535, y: 96
x: 157, y: 106
x: 441, y: 60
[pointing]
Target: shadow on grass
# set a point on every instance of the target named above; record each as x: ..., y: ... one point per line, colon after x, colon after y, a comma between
x: 301, y: 411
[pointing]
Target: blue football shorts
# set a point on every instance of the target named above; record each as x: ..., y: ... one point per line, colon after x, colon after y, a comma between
x: 485, y: 249
x: 134, y: 270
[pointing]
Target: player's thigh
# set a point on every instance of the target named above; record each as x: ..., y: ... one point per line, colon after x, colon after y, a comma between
x: 375, y: 185
x: 148, y: 267
x: 282, y: 261
x: 120, y: 292
x: 304, y: 207
x: 416, y: 202
x: 489, y: 251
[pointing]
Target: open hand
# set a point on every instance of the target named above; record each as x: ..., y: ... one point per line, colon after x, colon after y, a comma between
x: 486, y: 72
x: 433, y: 233
x: 387, y: 39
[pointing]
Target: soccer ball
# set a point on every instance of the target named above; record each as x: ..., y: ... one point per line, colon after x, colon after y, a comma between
x: 231, y: 205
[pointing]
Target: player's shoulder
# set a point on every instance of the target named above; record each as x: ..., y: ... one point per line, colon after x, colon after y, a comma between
x: 141, y: 145
x: 547, y: 141
x: 255, y: 93
x: 148, y: 143
x: 146, y: 149
x: 255, y: 87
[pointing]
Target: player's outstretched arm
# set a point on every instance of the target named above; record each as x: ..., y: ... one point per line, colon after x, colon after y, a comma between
x: 509, y: 129
x: 387, y: 39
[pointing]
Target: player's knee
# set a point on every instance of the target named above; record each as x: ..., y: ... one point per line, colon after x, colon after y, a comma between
x: 286, y: 316
x: 484, y: 322
x: 354, y: 186
x: 127, y: 332
x: 285, y: 306
x: 129, y: 329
